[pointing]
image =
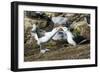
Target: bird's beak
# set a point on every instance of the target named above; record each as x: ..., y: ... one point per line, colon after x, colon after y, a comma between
x: 60, y: 28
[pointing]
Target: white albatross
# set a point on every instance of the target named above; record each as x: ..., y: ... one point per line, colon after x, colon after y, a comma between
x: 65, y: 35
x: 69, y: 36
x: 44, y: 39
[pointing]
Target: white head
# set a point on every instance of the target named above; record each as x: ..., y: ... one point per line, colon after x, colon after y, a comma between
x: 34, y: 27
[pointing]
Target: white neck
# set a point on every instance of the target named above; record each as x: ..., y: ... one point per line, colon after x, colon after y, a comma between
x: 34, y: 27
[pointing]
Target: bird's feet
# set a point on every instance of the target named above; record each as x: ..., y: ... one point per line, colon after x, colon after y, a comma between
x: 44, y: 50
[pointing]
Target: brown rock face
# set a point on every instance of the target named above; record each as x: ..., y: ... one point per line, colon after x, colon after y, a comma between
x: 85, y: 32
x: 83, y: 29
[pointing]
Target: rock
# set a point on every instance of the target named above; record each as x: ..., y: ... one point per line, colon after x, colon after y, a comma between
x: 81, y: 28
x: 85, y: 32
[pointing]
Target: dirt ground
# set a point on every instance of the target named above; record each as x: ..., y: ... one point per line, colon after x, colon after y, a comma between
x: 61, y: 53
